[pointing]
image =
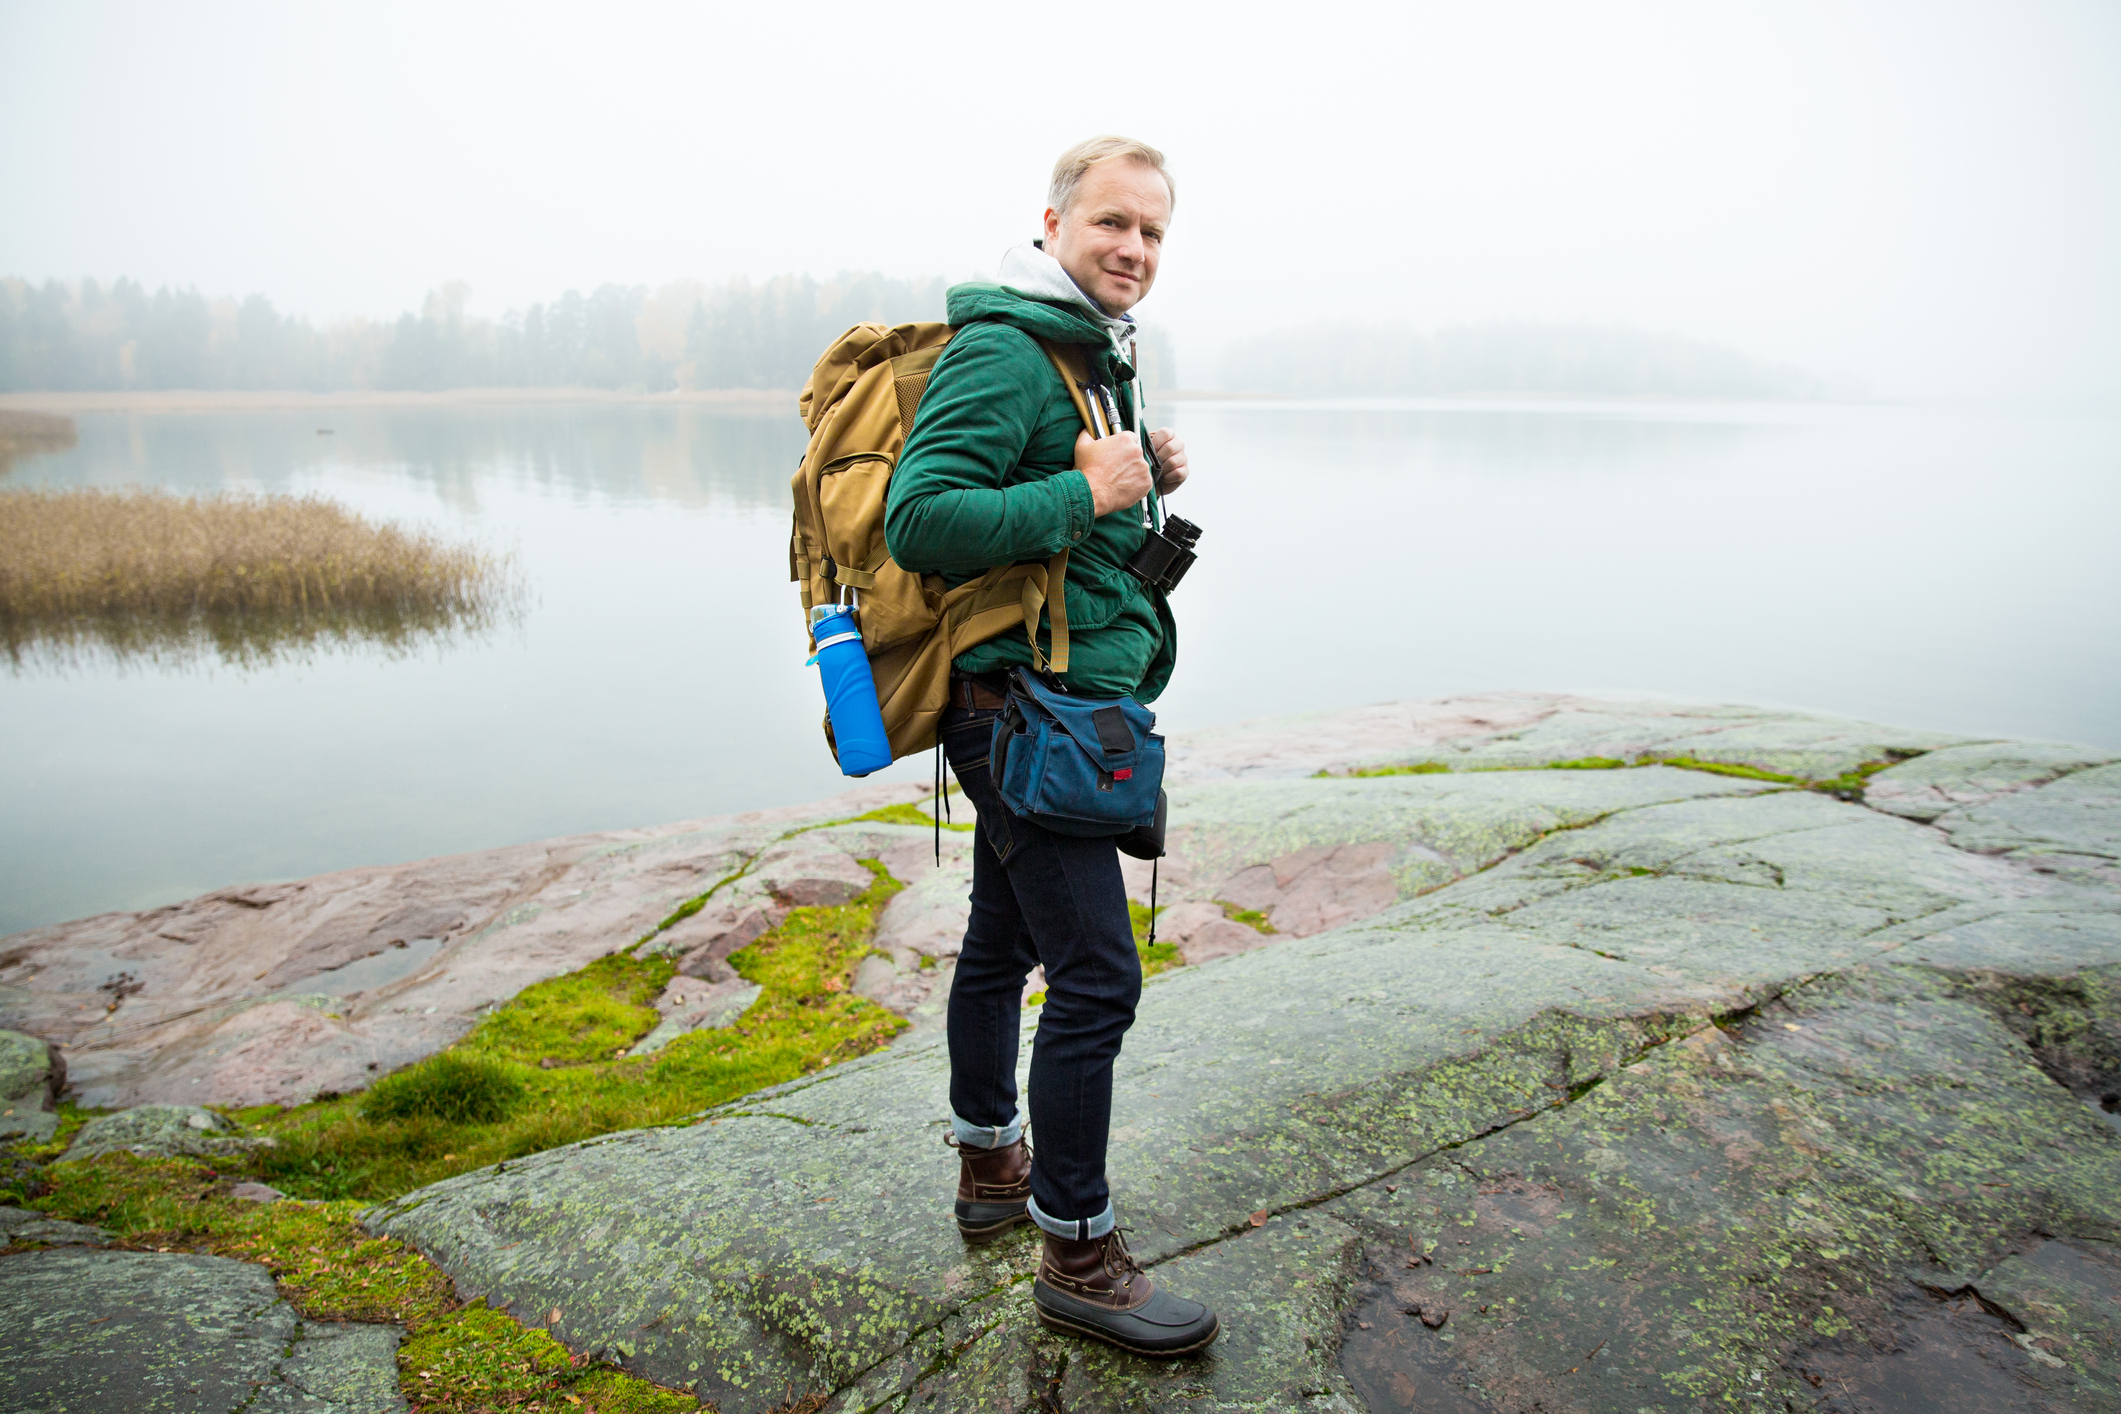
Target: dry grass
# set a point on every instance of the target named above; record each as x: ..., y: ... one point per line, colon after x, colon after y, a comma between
x: 148, y: 573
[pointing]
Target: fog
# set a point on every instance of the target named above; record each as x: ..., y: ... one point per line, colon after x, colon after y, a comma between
x: 1921, y: 197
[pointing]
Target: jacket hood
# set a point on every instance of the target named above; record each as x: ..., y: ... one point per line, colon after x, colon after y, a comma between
x: 1035, y: 294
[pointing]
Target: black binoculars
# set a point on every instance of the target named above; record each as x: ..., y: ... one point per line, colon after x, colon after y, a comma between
x: 1166, y: 554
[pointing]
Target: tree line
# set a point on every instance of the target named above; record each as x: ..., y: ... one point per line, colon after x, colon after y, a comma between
x: 92, y: 336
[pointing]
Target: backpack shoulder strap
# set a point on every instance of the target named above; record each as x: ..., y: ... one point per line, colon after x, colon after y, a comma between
x: 1074, y: 371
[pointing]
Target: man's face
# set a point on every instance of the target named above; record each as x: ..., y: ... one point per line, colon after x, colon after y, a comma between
x: 1113, y: 235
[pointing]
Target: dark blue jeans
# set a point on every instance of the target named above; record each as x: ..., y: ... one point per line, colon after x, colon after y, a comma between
x: 1040, y: 898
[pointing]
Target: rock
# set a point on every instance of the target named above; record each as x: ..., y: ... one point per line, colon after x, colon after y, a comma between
x: 339, y: 1367
x: 1536, y: 729
x: 705, y: 948
x: 1732, y: 1059
x: 173, y: 1333
x: 711, y: 971
x: 1954, y: 777
x: 19, y: 1225
x: 809, y: 872
x: 1203, y: 934
x: 2072, y: 825
x: 928, y: 916
x: 1318, y: 854
x: 31, y: 1076
x: 255, y: 1193
x: 688, y: 1004
x: 270, y: 994
x: 29, y: 1126
x: 30, y: 1071
x: 161, y: 1131
x: 896, y: 982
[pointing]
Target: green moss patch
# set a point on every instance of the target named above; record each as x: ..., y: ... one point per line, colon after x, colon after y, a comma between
x: 1156, y: 957
x: 1847, y: 786
x: 590, y: 1015
x: 904, y: 815
x: 1416, y: 768
x: 457, y: 1359
x: 456, y: 1087
x: 477, y: 1357
x: 1251, y: 917
x: 1850, y: 785
x: 563, y: 1042
x: 1721, y: 768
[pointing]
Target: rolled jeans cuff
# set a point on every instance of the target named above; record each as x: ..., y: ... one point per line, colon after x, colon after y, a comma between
x: 987, y: 1136
x: 1077, y: 1229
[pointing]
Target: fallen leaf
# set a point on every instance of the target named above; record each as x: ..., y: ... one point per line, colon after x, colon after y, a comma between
x: 1791, y: 1026
x: 1434, y: 1319
x: 1259, y: 1219
x: 835, y: 984
x: 553, y: 1318
x: 1362, y: 1325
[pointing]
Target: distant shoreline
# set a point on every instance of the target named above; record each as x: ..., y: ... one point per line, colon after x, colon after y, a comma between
x: 244, y: 400
x: 70, y: 404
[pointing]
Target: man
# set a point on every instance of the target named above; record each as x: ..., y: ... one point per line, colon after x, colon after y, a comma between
x: 998, y: 470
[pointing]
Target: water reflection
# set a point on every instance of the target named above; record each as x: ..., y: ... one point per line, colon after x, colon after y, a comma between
x: 697, y: 455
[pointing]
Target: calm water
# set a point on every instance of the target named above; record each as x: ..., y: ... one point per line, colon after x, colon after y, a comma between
x: 1938, y: 569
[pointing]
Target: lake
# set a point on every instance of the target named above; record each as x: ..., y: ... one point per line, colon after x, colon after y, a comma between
x: 1937, y: 568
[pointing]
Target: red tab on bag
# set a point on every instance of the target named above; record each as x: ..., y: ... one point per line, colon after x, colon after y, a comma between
x: 1124, y: 774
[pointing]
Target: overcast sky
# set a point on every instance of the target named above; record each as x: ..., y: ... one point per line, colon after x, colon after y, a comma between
x: 1926, y: 195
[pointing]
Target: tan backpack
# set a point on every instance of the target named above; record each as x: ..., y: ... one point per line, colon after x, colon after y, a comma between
x: 859, y: 406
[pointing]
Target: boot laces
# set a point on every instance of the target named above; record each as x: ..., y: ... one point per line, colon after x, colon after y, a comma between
x: 1119, y: 1262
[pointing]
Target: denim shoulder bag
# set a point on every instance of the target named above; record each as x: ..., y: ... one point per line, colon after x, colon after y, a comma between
x: 1079, y: 765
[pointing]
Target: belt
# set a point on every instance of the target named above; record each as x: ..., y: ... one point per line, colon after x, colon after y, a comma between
x: 975, y: 694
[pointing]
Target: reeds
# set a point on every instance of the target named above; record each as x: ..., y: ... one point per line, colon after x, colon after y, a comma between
x: 247, y: 577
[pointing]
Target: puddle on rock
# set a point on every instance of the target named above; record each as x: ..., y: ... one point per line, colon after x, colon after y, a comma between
x: 1951, y: 1355
x: 378, y: 969
x: 1400, y: 1364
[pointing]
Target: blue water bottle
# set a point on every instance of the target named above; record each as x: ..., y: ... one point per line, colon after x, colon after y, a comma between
x: 850, y: 692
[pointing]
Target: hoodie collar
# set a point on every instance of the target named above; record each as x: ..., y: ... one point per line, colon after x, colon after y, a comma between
x: 1031, y: 272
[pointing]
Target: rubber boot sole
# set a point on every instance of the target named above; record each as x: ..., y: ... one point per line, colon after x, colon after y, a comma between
x: 986, y: 1230
x: 1062, y: 1324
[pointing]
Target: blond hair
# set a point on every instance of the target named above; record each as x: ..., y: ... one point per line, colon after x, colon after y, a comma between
x: 1068, y: 171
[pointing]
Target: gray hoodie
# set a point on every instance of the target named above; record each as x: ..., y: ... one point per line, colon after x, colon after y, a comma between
x: 1029, y: 271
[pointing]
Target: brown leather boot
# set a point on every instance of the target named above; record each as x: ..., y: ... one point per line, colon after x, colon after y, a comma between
x: 1095, y: 1289
x: 993, y: 1188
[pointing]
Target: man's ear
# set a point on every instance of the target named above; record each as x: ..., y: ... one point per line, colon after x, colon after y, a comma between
x: 1052, y: 227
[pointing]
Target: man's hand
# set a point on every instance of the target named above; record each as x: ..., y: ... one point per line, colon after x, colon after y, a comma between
x: 1116, y: 470
x: 1171, y: 453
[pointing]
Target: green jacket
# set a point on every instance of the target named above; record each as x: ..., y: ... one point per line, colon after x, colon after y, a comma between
x: 988, y: 478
